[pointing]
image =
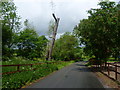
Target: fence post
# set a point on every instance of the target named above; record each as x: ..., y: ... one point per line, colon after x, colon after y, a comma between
x: 108, y: 70
x: 116, y: 72
x: 31, y: 66
x: 97, y: 67
x: 18, y: 68
x: 101, y: 67
x: 105, y: 66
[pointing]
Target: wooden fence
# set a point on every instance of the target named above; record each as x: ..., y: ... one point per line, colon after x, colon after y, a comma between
x: 19, y: 65
x: 112, y: 70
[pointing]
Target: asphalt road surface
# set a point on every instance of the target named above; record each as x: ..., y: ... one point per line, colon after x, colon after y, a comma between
x: 76, y: 75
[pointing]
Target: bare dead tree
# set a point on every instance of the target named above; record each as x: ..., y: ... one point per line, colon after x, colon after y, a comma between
x: 53, y: 36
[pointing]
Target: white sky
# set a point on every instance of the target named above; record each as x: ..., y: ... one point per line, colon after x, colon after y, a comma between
x: 39, y: 13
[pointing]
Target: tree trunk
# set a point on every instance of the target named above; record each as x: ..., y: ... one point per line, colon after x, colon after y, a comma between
x: 54, y: 36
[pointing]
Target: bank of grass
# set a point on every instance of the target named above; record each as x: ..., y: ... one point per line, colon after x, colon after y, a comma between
x: 112, y: 61
x: 109, y: 60
x: 19, y: 79
x: 19, y: 60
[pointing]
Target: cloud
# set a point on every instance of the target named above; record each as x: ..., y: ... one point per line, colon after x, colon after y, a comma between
x: 39, y: 12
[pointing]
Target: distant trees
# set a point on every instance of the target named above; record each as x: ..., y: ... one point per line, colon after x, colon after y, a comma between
x: 67, y: 48
x: 100, y: 33
x: 26, y: 43
x: 29, y: 44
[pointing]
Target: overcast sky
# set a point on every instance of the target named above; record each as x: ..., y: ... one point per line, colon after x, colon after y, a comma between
x: 39, y: 13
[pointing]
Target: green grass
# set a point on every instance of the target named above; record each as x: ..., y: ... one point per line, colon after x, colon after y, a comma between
x: 17, y: 80
x: 19, y: 60
x: 112, y: 61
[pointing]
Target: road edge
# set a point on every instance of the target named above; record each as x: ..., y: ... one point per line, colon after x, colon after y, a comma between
x: 41, y: 78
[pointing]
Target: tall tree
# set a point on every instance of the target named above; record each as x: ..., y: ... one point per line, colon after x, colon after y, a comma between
x: 53, y: 36
x: 99, y: 32
x: 10, y: 25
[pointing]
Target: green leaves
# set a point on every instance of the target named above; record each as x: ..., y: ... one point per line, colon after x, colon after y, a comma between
x: 17, y: 80
x: 30, y: 45
x: 66, y: 48
x: 10, y: 25
x: 99, y: 31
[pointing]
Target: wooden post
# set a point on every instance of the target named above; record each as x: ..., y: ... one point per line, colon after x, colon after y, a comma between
x: 108, y: 70
x: 31, y: 66
x: 18, y: 68
x: 116, y: 72
x: 100, y: 67
x: 54, y: 36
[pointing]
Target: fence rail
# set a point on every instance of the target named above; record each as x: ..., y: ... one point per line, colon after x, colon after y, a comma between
x: 18, y: 67
x: 108, y: 68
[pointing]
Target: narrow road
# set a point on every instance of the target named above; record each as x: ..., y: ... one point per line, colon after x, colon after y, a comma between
x: 76, y: 75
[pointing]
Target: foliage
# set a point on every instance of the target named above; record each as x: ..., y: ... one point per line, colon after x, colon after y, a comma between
x: 30, y: 45
x: 18, y: 80
x: 10, y: 25
x: 18, y: 60
x: 41, y: 46
x: 99, y: 33
x: 66, y: 48
x: 26, y: 42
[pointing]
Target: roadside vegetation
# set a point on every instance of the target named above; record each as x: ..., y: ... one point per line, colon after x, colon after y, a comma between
x: 100, y: 32
x: 23, y: 45
x: 19, y: 79
x: 96, y: 37
x: 26, y: 43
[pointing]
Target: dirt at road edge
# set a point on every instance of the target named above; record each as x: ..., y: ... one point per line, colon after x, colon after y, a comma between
x: 106, y: 81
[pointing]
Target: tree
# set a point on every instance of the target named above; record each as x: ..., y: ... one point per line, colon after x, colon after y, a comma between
x: 10, y: 25
x: 66, y: 48
x: 53, y: 36
x: 41, y: 46
x: 30, y: 45
x: 26, y: 42
x: 99, y: 32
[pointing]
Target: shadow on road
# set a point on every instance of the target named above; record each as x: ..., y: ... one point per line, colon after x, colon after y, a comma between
x: 79, y: 64
x: 84, y: 68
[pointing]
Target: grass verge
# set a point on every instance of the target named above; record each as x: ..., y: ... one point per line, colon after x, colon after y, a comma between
x: 17, y: 80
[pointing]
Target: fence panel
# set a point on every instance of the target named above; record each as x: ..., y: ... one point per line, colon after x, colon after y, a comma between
x: 19, y: 67
x: 112, y: 70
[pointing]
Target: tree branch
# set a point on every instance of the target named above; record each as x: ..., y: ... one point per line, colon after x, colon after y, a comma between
x: 54, y: 17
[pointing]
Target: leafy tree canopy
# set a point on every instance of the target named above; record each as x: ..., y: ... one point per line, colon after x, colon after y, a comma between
x: 10, y: 25
x: 99, y: 33
x: 66, y: 48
